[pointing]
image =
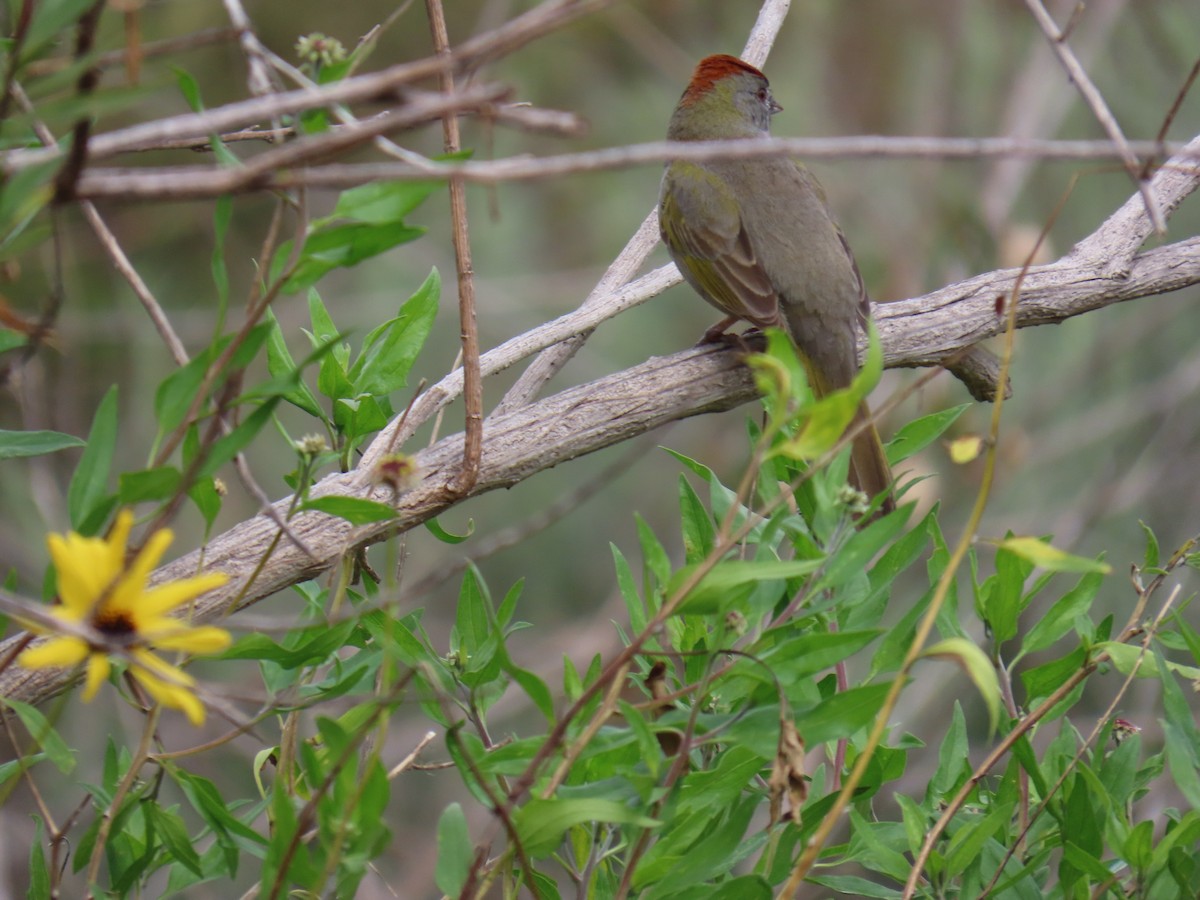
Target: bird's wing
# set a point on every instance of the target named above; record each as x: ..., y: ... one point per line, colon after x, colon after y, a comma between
x: 701, y: 225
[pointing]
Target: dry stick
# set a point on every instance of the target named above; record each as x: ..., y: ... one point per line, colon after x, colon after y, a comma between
x: 1031, y: 109
x: 1169, y: 118
x: 1095, y: 101
x: 409, y: 761
x: 258, y: 77
x: 472, y: 379
x: 68, y: 174
x: 108, y: 241
x: 198, y: 182
x: 514, y: 34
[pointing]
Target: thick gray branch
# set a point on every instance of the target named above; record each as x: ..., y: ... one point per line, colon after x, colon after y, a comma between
x: 586, y: 418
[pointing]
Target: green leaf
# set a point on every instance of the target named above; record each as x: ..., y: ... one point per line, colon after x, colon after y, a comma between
x: 654, y: 555
x: 698, y: 532
x: 541, y: 824
x: 342, y: 246
x: 826, y: 422
x: 806, y: 654
x: 310, y: 646
x: 440, y: 532
x: 954, y: 760
x: 535, y: 689
x: 26, y: 192
x: 968, y: 841
x: 1150, y: 560
x: 354, y: 510
x: 842, y: 714
x: 634, y: 606
x: 88, y: 489
x: 391, y: 349
x: 864, y: 545
x: 281, y: 366
x: 43, y: 734
x: 177, y: 391
x: 383, y: 202
x: 454, y: 851
x: 14, y: 444
x: 977, y: 667
x: 39, y: 874
x: 204, y: 797
x: 855, y: 886
x: 920, y: 433
x: 190, y: 88
x: 173, y: 833
x: 148, y: 484
x: 1127, y: 657
x: 472, y: 622
x: 718, y: 589
x: 744, y: 887
x: 1051, y: 558
x: 1060, y: 617
x: 51, y: 19
x: 225, y: 449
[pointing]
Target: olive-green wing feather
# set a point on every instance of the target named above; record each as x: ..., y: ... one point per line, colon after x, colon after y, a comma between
x: 700, y: 225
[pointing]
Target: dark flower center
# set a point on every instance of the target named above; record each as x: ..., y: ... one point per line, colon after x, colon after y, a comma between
x: 114, y: 624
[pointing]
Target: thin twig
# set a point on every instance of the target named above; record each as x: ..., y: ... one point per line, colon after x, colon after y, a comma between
x: 383, y: 85
x: 1095, y: 101
x: 258, y: 75
x: 460, y: 235
x: 198, y: 182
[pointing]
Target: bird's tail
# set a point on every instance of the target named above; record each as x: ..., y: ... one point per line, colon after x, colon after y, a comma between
x: 869, y: 469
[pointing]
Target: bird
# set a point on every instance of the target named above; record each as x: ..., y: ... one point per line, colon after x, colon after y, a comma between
x: 756, y: 239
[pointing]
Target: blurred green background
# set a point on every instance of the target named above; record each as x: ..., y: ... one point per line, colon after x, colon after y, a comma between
x: 1101, y: 433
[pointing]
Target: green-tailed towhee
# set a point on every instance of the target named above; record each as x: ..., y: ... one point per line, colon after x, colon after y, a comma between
x: 755, y: 238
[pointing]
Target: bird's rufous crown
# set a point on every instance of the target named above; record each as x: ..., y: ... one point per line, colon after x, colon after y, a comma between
x: 712, y: 69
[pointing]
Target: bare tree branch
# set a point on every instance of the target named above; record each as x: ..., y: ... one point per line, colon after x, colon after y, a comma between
x: 1095, y: 101
x: 380, y: 85
x: 620, y: 406
x: 198, y: 182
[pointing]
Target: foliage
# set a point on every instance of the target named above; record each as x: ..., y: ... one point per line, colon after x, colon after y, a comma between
x: 743, y: 739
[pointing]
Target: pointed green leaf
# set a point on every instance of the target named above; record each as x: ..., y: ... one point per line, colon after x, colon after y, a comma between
x: 89, y: 483
x: 14, y: 444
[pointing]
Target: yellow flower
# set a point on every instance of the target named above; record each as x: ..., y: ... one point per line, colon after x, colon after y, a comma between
x: 99, y: 591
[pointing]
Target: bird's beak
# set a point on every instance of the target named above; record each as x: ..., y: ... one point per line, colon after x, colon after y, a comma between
x: 775, y: 107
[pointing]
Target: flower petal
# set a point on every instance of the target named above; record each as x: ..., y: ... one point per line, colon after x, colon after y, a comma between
x: 57, y: 652
x: 203, y: 640
x: 164, y: 598
x: 88, y: 566
x: 167, y: 694
x: 161, y: 668
x: 130, y: 587
x: 83, y: 571
x: 97, y: 673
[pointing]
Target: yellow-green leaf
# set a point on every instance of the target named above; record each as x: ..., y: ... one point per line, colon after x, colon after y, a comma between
x: 1125, y: 657
x: 978, y: 668
x: 1051, y: 558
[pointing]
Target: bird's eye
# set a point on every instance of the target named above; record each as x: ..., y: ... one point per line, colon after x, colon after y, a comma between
x: 763, y: 95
